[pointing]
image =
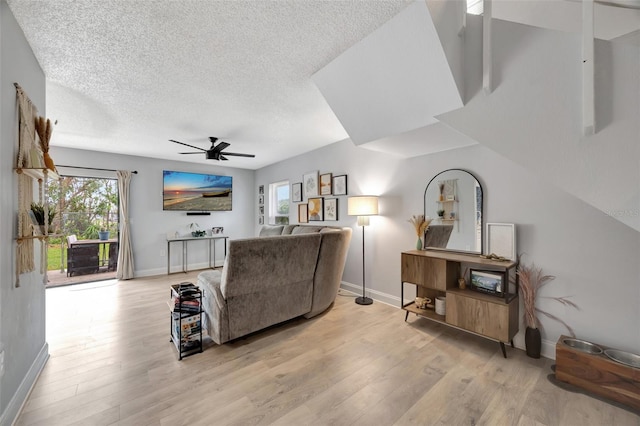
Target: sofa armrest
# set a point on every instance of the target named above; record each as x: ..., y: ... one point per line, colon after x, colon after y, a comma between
x: 216, y: 318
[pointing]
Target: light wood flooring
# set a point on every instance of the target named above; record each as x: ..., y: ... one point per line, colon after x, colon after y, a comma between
x: 112, y: 363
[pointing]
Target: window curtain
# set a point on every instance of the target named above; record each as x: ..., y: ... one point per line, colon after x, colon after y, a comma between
x: 125, y: 254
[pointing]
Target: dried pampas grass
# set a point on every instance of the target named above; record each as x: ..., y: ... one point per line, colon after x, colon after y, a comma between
x: 531, y: 281
x: 420, y: 223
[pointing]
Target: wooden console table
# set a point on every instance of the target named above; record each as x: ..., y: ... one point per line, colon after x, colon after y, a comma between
x: 185, y: 242
x: 436, y: 272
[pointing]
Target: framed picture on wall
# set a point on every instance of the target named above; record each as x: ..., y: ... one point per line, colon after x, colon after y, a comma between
x: 310, y: 184
x: 261, y: 189
x: 500, y: 239
x: 325, y: 184
x: 339, y: 185
x: 303, y: 213
x: 316, y: 209
x: 296, y: 192
x: 260, y: 199
x: 331, y: 209
x: 260, y: 220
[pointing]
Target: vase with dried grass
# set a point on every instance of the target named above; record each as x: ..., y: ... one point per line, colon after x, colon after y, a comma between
x: 531, y: 280
x: 420, y: 224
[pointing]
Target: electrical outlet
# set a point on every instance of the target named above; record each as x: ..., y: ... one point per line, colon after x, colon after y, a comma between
x: 1, y: 363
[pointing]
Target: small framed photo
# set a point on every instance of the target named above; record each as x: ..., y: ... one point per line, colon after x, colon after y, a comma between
x: 261, y: 210
x: 310, y: 184
x: 260, y: 199
x: 325, y: 184
x: 261, y: 189
x: 500, y: 239
x: 491, y: 282
x: 296, y: 192
x: 261, y: 220
x: 303, y: 213
x: 316, y: 209
x: 340, y: 185
x: 331, y: 209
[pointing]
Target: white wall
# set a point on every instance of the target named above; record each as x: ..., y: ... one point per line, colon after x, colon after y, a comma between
x: 593, y: 256
x: 150, y: 224
x: 22, y: 313
x: 533, y: 116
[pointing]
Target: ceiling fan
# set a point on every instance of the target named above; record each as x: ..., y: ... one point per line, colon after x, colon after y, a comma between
x: 215, y: 152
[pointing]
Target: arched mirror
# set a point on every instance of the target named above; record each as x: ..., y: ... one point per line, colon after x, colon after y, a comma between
x: 453, y: 199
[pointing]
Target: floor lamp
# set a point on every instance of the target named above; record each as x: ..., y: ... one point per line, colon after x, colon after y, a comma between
x: 363, y: 207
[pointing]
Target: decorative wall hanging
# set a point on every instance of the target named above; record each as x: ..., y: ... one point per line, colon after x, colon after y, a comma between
x: 325, y: 184
x: 310, y: 184
x: 316, y: 209
x: 339, y: 185
x: 296, y: 192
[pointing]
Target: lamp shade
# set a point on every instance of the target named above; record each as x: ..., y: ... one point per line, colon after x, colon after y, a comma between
x: 362, y: 206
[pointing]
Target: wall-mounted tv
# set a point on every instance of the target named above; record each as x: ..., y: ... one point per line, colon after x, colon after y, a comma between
x: 184, y: 191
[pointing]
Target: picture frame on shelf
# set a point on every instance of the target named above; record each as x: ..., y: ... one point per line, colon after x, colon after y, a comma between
x: 316, y: 209
x: 303, y: 213
x: 310, y: 184
x: 490, y: 282
x: 330, y: 209
x: 500, y: 239
x: 325, y: 184
x: 339, y: 185
x: 296, y: 192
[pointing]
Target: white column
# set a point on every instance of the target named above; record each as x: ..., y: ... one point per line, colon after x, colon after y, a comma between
x: 486, y: 47
x: 588, y: 97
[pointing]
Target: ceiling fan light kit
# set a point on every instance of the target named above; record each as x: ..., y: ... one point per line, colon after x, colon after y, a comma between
x: 215, y: 152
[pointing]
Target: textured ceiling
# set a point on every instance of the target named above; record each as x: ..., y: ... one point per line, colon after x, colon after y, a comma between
x: 127, y: 76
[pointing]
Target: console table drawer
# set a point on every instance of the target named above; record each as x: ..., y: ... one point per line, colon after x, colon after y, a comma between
x: 497, y: 320
x: 437, y: 274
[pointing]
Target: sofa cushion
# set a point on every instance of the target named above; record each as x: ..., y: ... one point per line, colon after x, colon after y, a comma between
x: 271, y: 230
x: 306, y: 230
x: 288, y: 229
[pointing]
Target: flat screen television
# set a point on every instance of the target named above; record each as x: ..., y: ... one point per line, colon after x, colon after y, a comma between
x: 183, y: 191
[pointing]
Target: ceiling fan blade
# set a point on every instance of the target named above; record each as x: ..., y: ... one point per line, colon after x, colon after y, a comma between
x: 186, y: 144
x: 221, y: 146
x: 190, y: 153
x: 239, y: 155
x: 222, y: 157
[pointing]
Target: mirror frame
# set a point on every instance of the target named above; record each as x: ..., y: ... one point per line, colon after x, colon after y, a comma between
x: 481, y: 210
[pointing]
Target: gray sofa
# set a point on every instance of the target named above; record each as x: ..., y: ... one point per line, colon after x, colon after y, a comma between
x: 289, y: 271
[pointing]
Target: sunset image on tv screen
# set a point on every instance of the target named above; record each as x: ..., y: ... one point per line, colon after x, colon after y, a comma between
x: 196, y: 192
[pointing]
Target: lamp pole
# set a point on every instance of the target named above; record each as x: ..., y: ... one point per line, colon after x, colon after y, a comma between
x: 363, y: 300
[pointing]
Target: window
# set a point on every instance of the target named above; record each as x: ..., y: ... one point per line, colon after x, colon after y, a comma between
x: 279, y: 203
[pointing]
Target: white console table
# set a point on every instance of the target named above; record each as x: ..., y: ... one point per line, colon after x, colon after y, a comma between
x: 185, y: 243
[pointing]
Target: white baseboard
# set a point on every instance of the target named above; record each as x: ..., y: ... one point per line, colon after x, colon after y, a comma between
x: 174, y: 269
x: 548, y: 349
x: 18, y: 400
x: 379, y: 296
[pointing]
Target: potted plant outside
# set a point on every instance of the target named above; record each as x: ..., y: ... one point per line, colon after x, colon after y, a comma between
x: 531, y: 281
x: 103, y: 234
